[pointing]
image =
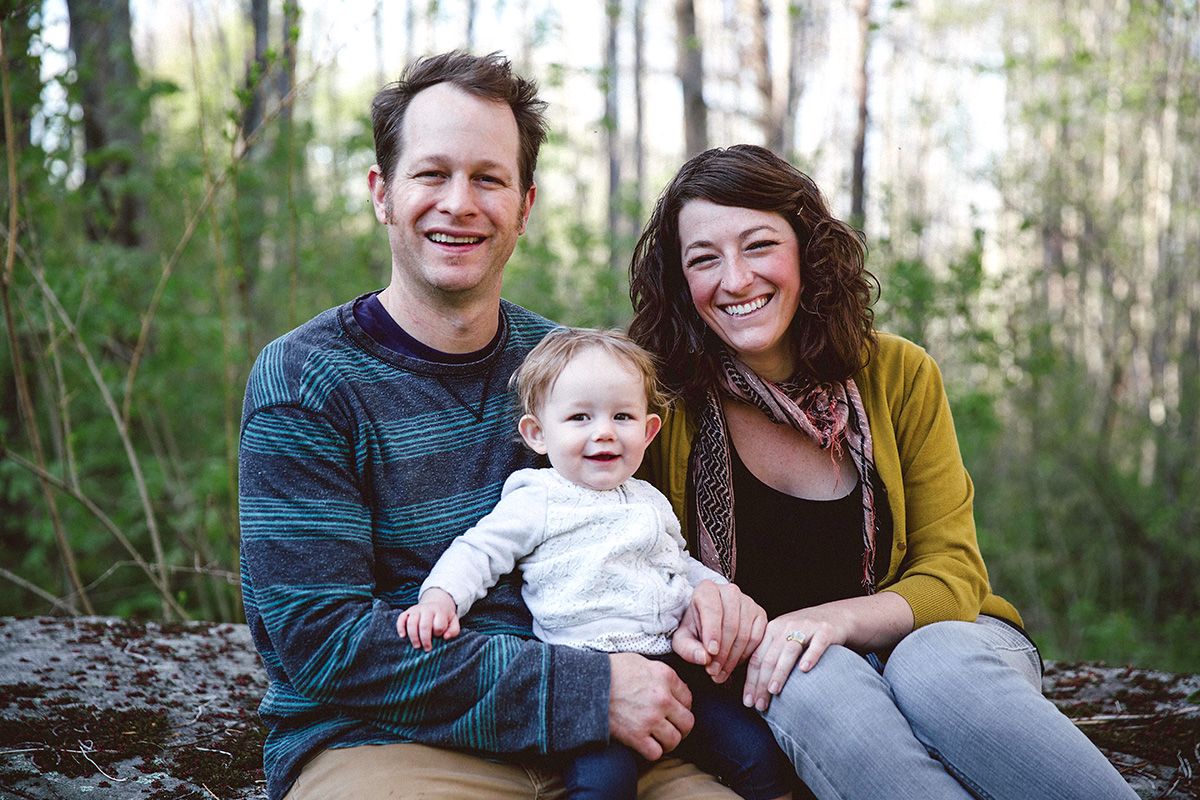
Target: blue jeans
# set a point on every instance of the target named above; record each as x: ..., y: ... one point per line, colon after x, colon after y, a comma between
x: 956, y: 713
x: 728, y: 741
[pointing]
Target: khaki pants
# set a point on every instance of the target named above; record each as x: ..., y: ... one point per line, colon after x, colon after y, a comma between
x: 412, y: 771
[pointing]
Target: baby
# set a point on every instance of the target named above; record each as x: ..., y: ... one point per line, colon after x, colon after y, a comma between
x: 602, y: 557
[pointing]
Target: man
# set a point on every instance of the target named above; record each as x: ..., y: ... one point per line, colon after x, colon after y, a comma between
x: 380, y: 430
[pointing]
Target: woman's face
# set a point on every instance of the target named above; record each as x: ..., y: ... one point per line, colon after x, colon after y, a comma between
x: 743, y: 270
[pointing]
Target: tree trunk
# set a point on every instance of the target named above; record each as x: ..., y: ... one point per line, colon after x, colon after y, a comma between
x: 690, y: 69
x: 114, y: 108
x: 380, y: 69
x: 24, y: 85
x: 256, y: 70
x: 797, y: 22
x: 639, y: 143
x: 759, y: 57
x: 472, y: 13
x: 612, y: 133
x: 287, y: 73
x: 410, y: 30
x: 858, y: 192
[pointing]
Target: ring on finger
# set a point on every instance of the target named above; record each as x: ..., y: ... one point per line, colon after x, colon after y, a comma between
x: 798, y: 637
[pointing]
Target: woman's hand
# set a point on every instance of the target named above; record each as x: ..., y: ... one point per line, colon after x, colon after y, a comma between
x: 802, y: 637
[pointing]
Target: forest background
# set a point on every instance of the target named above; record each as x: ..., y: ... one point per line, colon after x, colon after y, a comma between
x: 185, y: 181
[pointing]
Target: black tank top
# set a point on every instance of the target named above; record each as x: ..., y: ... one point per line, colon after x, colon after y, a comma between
x: 793, y: 553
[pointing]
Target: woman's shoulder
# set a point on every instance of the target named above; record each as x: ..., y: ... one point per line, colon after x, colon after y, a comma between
x: 893, y: 358
x: 896, y: 371
x: 890, y: 348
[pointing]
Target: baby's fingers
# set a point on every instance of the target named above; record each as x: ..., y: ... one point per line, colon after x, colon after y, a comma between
x: 408, y: 626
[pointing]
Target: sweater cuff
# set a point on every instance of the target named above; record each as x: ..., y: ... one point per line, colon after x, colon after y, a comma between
x: 928, y: 598
x: 579, y: 690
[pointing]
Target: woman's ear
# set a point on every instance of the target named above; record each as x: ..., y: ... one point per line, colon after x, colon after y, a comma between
x: 653, y: 426
x: 531, y: 432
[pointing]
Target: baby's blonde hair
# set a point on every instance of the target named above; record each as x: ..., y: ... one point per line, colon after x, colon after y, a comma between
x: 535, y: 378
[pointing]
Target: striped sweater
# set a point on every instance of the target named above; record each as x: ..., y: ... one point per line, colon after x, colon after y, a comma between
x: 358, y: 467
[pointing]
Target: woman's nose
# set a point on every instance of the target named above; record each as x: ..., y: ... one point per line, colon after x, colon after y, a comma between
x: 737, y: 275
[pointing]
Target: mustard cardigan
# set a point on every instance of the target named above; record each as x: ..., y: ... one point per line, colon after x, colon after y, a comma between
x: 935, y: 563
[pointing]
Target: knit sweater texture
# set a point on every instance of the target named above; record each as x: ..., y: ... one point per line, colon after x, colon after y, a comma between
x: 935, y: 563
x: 358, y: 467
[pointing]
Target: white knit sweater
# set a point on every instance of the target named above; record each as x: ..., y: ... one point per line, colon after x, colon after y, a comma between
x: 602, y: 570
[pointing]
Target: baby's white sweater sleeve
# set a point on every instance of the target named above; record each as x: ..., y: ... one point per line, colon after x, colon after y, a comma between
x: 491, y: 548
x: 696, y: 571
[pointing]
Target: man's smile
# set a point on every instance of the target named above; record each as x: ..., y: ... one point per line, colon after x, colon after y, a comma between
x: 446, y: 238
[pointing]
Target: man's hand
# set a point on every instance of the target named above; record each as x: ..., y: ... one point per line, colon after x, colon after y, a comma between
x: 435, y: 615
x: 720, y: 628
x: 649, y: 706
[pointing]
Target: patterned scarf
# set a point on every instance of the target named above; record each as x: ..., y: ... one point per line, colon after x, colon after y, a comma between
x: 832, y: 415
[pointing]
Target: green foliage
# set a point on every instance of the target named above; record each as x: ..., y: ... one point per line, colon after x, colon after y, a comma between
x: 169, y: 329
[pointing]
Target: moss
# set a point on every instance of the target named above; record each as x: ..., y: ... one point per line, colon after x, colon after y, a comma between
x: 231, y: 762
x: 150, y: 725
x: 1164, y: 742
x: 81, y: 742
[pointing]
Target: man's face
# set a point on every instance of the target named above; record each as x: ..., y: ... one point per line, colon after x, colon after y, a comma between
x: 454, y: 206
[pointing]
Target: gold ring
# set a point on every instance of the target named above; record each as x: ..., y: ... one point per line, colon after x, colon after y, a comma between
x: 797, y: 637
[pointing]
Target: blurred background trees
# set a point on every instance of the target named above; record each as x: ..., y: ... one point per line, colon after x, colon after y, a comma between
x: 185, y: 181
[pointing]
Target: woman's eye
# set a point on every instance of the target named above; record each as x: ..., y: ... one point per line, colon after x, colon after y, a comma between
x: 700, y: 262
x: 761, y: 244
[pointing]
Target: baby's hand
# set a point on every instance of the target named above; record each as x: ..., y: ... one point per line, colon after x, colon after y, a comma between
x: 435, y: 615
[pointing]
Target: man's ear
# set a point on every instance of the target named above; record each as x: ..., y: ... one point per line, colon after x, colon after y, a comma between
x: 528, y: 206
x: 378, y: 193
x: 653, y: 426
x: 531, y: 432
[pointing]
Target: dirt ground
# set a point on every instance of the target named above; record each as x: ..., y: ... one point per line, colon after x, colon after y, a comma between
x: 107, y: 708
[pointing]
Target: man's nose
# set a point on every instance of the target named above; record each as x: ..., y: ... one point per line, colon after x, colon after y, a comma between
x: 458, y: 196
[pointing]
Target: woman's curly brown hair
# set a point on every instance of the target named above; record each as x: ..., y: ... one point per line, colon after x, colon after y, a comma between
x: 832, y: 329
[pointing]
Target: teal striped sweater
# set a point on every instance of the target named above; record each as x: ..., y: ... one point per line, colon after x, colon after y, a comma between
x: 358, y: 467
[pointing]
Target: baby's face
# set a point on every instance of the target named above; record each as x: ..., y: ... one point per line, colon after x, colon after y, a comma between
x: 594, y: 424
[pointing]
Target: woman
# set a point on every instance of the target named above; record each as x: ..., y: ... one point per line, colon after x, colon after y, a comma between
x: 814, y: 462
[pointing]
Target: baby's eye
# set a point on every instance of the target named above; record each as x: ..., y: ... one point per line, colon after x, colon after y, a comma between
x: 580, y: 417
x: 622, y: 416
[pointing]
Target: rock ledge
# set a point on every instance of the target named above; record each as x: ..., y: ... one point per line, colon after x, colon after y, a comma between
x: 108, y: 708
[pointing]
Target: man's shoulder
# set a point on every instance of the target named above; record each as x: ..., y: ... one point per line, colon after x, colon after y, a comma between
x: 525, y: 327
x: 300, y: 357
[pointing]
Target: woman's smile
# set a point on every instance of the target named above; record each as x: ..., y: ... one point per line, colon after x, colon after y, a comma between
x: 742, y: 309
